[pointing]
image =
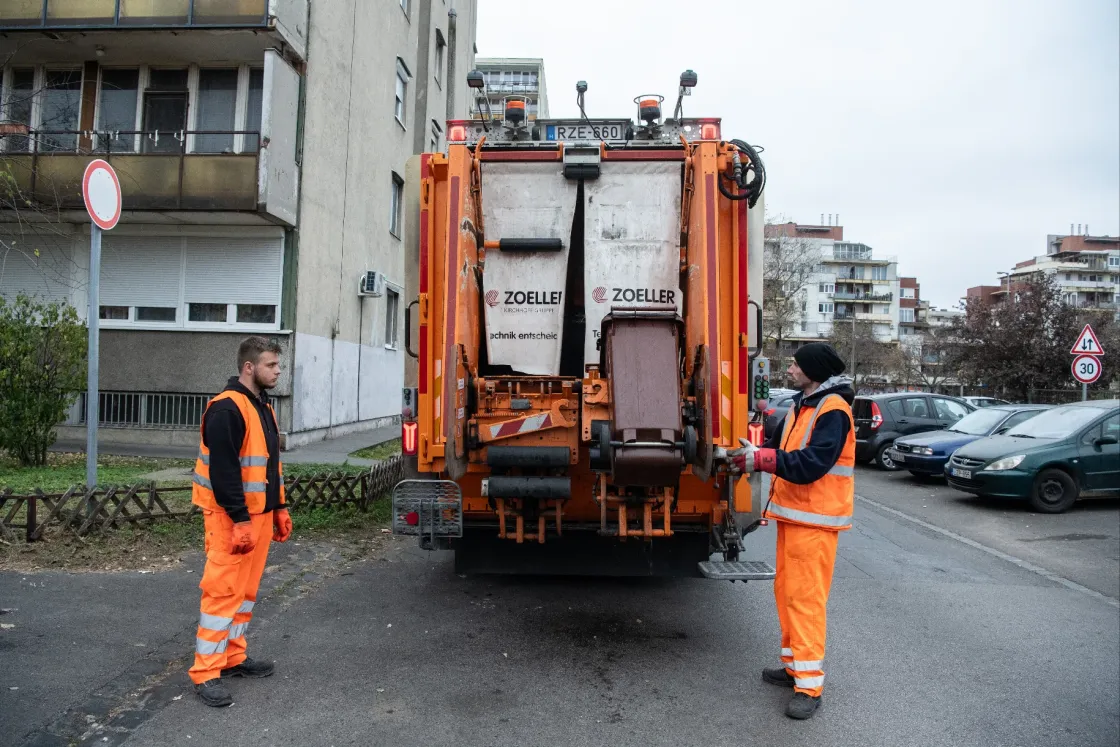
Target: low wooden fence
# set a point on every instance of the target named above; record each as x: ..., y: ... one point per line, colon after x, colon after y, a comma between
x: 85, y: 512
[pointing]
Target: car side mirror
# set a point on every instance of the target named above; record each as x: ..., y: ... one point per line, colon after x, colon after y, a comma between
x: 1106, y: 441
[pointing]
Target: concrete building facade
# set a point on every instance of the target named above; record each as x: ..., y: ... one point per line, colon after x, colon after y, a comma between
x: 262, y: 149
x: 512, y: 77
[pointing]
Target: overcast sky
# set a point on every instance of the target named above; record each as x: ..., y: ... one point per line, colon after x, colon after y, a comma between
x: 954, y: 135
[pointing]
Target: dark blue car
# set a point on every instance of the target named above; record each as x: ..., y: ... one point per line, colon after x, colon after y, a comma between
x: 926, y: 454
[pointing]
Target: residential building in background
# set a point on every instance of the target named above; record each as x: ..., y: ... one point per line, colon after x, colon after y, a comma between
x: 512, y: 77
x: 262, y: 150
x: 1085, y: 268
x: 848, y: 282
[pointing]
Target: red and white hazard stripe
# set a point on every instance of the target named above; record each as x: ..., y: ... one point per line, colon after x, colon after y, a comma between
x: 517, y: 427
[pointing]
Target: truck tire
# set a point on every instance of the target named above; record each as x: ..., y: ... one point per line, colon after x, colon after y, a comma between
x: 1054, y: 491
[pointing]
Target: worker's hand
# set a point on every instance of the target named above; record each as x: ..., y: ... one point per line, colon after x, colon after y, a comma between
x: 243, y: 542
x: 742, y: 459
x: 281, y: 525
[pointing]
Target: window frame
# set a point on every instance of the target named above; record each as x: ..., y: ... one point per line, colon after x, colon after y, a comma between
x: 392, y: 316
x: 400, y: 94
x: 440, y: 58
x: 396, y: 206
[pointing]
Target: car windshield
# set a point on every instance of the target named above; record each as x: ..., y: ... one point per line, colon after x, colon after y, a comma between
x: 980, y: 422
x: 1057, y: 423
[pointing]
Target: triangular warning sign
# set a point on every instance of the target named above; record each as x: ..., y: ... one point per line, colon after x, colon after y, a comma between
x: 1087, y: 343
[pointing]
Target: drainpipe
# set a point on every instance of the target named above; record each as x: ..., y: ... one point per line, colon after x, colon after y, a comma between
x: 452, y: 81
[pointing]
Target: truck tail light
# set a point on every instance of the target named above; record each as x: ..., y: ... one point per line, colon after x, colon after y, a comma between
x: 709, y: 129
x: 876, y: 416
x: 408, y: 438
x: 456, y: 131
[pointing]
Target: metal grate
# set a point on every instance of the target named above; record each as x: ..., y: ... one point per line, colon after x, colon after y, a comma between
x: 736, y: 570
x: 143, y: 410
x: 435, y: 507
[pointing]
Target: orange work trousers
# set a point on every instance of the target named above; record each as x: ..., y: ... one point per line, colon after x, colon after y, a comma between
x: 229, y: 591
x: 803, y: 577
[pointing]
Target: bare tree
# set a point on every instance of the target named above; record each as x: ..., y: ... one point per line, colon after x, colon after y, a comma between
x: 788, y: 265
x: 863, y: 352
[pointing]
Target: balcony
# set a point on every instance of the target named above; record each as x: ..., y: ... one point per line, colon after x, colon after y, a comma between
x: 849, y: 296
x: 284, y: 18
x: 870, y: 317
x: 157, y: 171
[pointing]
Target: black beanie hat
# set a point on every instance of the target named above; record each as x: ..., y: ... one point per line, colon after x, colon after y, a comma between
x: 819, y: 361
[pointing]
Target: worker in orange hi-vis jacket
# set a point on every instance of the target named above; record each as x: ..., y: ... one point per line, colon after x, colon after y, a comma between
x: 812, y: 460
x: 239, y: 485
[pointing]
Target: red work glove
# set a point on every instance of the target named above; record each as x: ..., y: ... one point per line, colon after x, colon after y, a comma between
x: 281, y: 524
x: 243, y: 542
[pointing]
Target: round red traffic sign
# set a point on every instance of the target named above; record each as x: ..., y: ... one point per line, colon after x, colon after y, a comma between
x: 101, y: 191
x: 1086, y: 368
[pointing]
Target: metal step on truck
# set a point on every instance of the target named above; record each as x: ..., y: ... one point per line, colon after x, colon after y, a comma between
x: 587, y: 334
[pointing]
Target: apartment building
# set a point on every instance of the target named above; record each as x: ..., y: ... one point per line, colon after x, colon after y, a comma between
x: 1085, y: 268
x: 262, y: 149
x: 847, y: 283
x: 520, y: 78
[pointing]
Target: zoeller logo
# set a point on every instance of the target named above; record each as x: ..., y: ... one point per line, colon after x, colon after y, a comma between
x: 636, y: 295
x: 534, y: 298
x: 491, y: 298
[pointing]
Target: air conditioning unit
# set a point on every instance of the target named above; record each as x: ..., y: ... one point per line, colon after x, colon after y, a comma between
x: 371, y: 284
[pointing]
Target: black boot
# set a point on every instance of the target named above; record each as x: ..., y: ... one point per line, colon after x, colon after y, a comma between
x: 214, y: 693
x: 250, y: 668
x: 802, y: 706
x: 779, y: 677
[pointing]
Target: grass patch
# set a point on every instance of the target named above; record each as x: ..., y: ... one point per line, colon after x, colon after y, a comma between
x: 64, y: 470
x: 380, y: 451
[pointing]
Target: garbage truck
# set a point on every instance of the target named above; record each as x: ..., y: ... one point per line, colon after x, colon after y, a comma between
x: 587, y: 344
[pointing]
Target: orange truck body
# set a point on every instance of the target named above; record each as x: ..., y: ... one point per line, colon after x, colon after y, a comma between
x: 468, y: 415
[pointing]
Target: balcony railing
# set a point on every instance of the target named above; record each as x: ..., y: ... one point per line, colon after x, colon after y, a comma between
x: 157, y: 171
x: 111, y: 14
x: 848, y: 296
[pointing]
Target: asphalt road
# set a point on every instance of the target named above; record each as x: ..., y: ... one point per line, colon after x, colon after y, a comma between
x: 952, y: 622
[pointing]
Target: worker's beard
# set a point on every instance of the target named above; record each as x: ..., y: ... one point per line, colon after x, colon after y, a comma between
x: 261, y: 384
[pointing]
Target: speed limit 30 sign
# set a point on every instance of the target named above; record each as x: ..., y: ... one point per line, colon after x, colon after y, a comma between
x: 1086, y: 368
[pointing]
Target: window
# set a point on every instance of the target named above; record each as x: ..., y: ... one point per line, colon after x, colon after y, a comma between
x: 113, y: 312
x: 441, y: 50
x: 826, y: 288
x: 825, y: 308
x: 1017, y: 418
x: 915, y: 407
x: 404, y: 7
x: 395, y: 205
x: 437, y: 132
x: 18, y: 107
x: 949, y: 410
x: 392, y: 306
x: 165, y: 110
x: 804, y: 326
x: 402, y: 91
x: 207, y: 312
x: 879, y: 273
x: 906, y: 315
x: 62, y: 104
x: 216, y: 110
x: 1114, y: 261
x: 256, y: 314
x: 907, y: 293
x: 117, y: 111
x: 255, y: 111
x: 155, y: 314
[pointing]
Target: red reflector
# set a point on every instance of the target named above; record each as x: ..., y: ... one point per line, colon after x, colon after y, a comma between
x: 755, y: 433
x: 709, y: 132
x: 764, y: 522
x: 770, y: 412
x: 412, y: 518
x: 408, y: 438
x: 456, y: 131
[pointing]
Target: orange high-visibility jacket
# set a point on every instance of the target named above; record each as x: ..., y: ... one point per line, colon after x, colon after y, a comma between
x: 827, y: 503
x: 254, y: 460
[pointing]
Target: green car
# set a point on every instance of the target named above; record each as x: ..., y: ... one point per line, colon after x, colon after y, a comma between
x: 1051, y: 460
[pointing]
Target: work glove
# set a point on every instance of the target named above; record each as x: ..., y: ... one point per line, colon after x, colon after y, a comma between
x: 281, y: 525
x: 243, y: 542
x: 742, y: 459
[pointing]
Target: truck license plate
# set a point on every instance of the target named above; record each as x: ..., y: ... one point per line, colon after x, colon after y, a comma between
x: 964, y: 474
x: 573, y: 132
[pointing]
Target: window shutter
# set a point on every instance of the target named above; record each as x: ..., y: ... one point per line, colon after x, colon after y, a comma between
x: 141, y: 270
x: 246, y: 271
x: 46, y: 277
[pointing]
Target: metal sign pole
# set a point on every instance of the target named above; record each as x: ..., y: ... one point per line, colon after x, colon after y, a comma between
x: 1084, y: 392
x: 92, y: 414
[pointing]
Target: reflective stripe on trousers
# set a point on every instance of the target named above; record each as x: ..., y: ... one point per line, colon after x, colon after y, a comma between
x: 804, y: 563
x: 248, y: 487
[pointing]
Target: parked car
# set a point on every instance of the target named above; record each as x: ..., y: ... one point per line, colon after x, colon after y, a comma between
x: 776, y: 412
x: 882, y: 418
x: 1051, y: 460
x: 925, y: 455
x: 985, y: 401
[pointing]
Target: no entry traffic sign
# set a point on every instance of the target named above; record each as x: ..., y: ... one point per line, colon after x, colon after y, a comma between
x: 1086, y: 368
x: 101, y: 191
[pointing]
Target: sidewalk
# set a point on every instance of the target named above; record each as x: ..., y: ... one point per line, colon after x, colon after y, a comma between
x: 332, y: 451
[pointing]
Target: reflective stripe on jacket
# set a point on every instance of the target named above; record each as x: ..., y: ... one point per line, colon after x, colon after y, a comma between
x: 828, y: 502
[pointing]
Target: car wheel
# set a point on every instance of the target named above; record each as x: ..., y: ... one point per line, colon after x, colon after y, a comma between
x: 883, y: 458
x: 1054, y: 492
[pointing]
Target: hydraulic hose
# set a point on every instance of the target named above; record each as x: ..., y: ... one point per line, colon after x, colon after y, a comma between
x: 751, y: 189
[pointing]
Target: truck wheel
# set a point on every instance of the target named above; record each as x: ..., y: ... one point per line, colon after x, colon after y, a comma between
x: 883, y: 458
x: 1054, y: 491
